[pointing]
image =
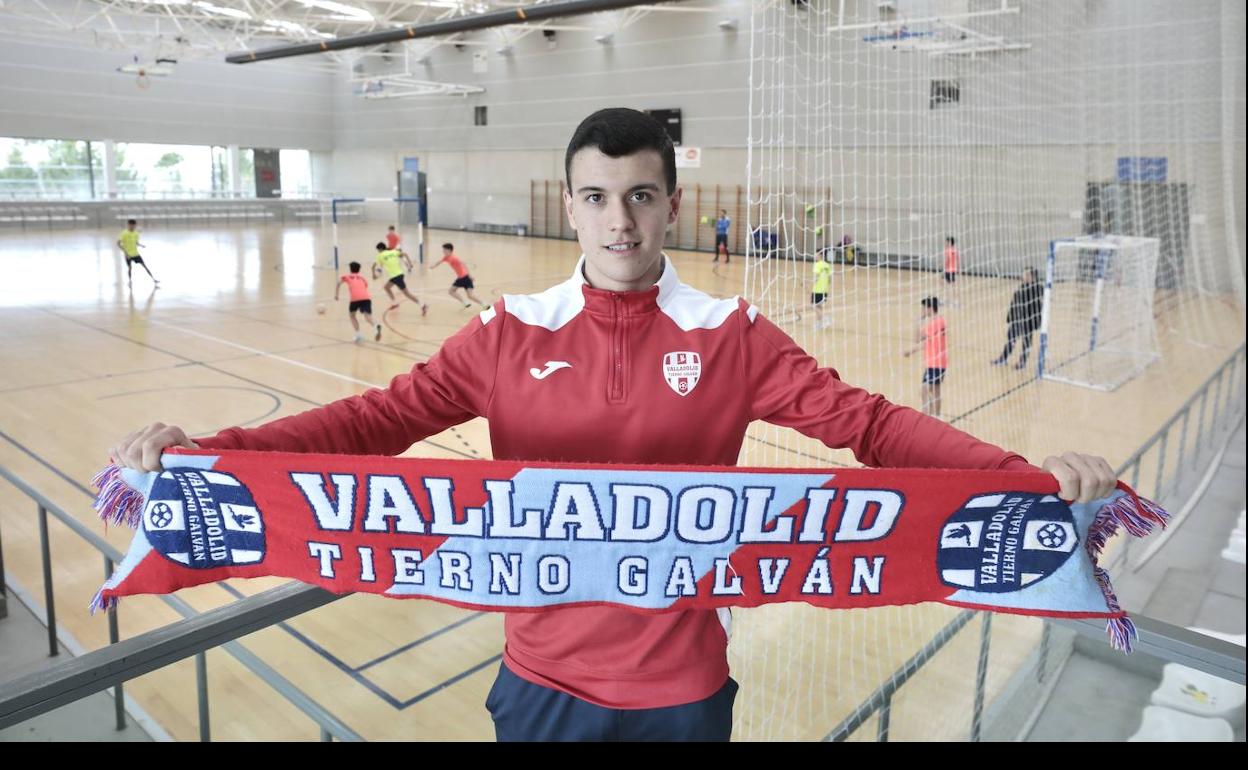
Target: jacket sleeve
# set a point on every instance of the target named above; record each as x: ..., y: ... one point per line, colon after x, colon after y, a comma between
x: 454, y: 386
x: 789, y: 388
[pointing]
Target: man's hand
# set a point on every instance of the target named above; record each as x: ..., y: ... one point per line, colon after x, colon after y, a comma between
x: 141, y: 449
x: 1082, y: 478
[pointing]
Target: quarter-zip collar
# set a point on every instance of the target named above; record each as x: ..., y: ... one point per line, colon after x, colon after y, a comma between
x: 603, y: 301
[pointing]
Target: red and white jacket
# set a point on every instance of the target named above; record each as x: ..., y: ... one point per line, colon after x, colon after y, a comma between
x: 666, y: 375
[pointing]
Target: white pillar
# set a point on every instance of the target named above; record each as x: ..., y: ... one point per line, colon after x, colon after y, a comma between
x: 236, y: 181
x: 110, y: 169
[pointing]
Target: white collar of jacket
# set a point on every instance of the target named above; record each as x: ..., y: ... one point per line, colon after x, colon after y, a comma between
x: 554, y: 308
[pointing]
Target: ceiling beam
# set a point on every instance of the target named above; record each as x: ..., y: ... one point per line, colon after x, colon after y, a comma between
x: 449, y: 26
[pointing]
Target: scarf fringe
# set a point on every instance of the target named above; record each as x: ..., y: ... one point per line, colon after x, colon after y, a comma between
x: 116, y: 502
x: 101, y: 604
x: 1139, y: 517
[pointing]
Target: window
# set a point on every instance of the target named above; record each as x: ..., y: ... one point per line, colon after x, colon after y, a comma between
x: 296, y: 168
x: 221, y: 187
x: 945, y: 93
x: 50, y: 168
x: 163, y: 170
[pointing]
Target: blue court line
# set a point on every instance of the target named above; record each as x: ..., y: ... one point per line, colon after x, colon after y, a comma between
x: 356, y: 672
x: 420, y: 641
x: 462, y: 675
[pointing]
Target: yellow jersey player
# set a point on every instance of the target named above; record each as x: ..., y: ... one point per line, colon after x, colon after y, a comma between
x: 392, y: 262
x: 129, y: 244
x: 823, y: 284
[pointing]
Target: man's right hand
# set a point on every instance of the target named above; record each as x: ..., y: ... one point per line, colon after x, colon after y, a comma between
x: 141, y: 449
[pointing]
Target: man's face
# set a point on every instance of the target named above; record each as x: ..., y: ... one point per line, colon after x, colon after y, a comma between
x: 621, y: 210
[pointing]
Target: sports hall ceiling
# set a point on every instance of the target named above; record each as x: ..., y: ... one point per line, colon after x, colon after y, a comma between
x: 191, y: 29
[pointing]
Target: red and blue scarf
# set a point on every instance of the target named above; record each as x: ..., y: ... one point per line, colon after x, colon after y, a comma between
x: 524, y: 537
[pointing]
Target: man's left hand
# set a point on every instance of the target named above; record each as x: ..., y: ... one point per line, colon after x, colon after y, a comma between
x: 1082, y: 478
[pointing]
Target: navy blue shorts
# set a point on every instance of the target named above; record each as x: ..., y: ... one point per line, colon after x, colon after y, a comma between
x: 361, y: 306
x: 933, y: 376
x: 463, y: 282
x: 523, y: 711
x: 398, y: 281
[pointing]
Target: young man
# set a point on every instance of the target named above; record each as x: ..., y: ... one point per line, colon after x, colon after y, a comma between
x: 129, y: 244
x: 823, y: 284
x: 392, y: 261
x: 392, y: 238
x: 1023, y: 318
x: 722, y: 225
x: 952, y: 261
x: 932, y: 340
x: 462, y: 279
x: 599, y: 673
x: 360, y: 300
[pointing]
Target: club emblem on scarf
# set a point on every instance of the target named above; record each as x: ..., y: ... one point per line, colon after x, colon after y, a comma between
x: 203, y: 519
x: 682, y: 370
x: 1002, y: 542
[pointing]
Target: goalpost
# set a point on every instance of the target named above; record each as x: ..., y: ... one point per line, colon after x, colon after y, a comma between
x: 378, y: 213
x: 1097, y: 326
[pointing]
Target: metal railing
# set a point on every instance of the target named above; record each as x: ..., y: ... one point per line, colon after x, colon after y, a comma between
x: 80, y: 192
x: 51, y: 215
x: 1211, y: 415
x: 34, y: 694
x: 881, y: 701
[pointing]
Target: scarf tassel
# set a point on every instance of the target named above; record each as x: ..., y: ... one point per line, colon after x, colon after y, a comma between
x: 116, y: 502
x: 1139, y: 517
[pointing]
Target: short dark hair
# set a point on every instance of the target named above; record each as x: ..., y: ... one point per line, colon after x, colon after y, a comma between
x: 448, y: 246
x: 132, y: 221
x: 931, y: 302
x: 619, y: 131
x: 381, y: 246
x: 391, y: 227
x: 949, y: 239
x: 354, y: 267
